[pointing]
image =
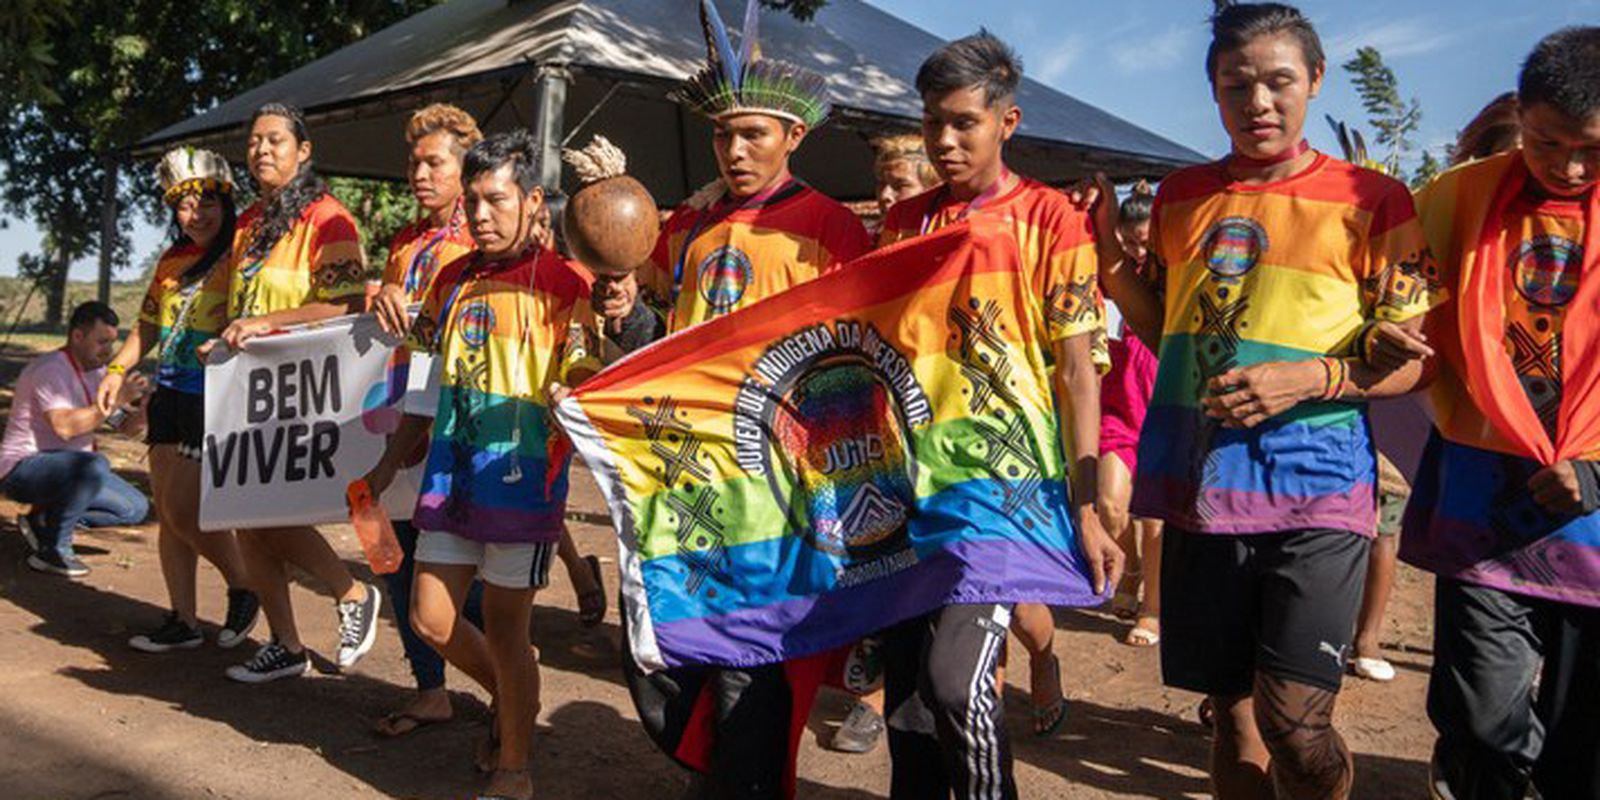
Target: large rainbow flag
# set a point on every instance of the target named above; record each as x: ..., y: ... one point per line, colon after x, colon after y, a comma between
x: 850, y: 453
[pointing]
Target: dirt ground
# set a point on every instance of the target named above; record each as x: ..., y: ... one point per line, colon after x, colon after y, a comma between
x: 84, y: 716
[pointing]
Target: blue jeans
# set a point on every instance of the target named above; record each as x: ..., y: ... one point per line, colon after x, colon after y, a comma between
x: 68, y: 488
x: 426, y: 664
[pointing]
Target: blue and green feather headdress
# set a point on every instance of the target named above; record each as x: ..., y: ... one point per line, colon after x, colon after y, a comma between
x: 743, y: 82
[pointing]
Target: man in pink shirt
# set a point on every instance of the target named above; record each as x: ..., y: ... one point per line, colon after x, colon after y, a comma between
x: 48, y: 458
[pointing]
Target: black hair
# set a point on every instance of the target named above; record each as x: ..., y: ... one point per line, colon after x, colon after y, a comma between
x: 517, y: 148
x: 220, y: 245
x: 980, y: 60
x: 305, y: 188
x: 1563, y: 72
x: 1237, y: 24
x: 1139, y: 204
x: 87, y: 314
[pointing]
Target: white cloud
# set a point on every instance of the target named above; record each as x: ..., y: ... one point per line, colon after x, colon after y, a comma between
x: 1395, y: 39
x: 1135, y: 54
x: 1059, y: 60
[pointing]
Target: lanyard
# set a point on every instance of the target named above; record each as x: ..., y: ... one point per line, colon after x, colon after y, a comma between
x: 783, y: 191
x: 983, y: 199
x: 77, y: 372
x: 420, y: 271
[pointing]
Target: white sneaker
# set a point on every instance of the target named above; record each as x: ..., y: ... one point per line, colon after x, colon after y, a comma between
x: 358, y: 627
x: 1373, y: 669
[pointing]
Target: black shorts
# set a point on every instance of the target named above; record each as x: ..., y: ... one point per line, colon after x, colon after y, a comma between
x: 1281, y: 603
x: 177, y: 418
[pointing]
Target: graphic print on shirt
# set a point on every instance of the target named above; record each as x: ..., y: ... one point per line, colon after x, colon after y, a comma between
x: 724, y: 277
x: 1232, y: 248
x: 1544, y: 272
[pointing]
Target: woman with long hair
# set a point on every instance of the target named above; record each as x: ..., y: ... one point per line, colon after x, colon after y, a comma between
x: 182, y: 310
x: 297, y: 259
x: 1124, y: 398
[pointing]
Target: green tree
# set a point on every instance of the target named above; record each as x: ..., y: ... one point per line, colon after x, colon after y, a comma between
x: 1394, y: 118
x: 1427, y: 170
x: 382, y: 208
x: 802, y: 10
x: 85, y: 84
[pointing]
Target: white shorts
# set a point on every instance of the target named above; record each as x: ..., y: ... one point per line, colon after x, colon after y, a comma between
x: 512, y: 565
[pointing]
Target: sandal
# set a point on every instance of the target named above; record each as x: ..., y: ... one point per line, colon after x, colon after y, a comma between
x: 592, y: 604
x: 1140, y: 636
x: 1047, y: 718
x: 390, y: 725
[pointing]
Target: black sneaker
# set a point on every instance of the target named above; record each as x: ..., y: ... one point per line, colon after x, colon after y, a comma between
x: 174, y: 634
x: 243, y: 607
x: 272, y: 662
x: 358, y: 626
x: 52, y: 562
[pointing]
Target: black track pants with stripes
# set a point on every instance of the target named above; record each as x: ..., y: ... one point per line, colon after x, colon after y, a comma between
x: 947, y: 733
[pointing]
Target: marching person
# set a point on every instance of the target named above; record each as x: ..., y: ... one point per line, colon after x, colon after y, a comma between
x: 439, y: 136
x: 183, y: 309
x: 48, y: 458
x: 492, y: 501
x: 297, y: 259
x: 1256, y: 451
x: 942, y: 665
x: 1506, y: 507
x: 1124, y: 400
x: 748, y: 235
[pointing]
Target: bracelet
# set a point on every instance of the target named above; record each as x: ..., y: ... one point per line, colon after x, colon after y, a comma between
x: 115, y: 369
x: 1336, y: 372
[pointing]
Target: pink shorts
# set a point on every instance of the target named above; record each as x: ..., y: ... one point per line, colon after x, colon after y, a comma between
x: 1125, y: 398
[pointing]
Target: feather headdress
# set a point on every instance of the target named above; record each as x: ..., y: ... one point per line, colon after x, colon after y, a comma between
x: 742, y: 82
x: 185, y: 170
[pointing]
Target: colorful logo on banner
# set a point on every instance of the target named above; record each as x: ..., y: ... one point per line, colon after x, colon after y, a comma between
x: 838, y: 457
x: 380, y: 408
x: 1546, y: 270
x: 724, y: 277
x: 1233, y: 246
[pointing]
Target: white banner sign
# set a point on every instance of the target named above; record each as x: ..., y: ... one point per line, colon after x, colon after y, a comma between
x: 296, y: 416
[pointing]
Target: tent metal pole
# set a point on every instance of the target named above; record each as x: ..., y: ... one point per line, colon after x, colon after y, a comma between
x: 550, y: 103
x: 108, y: 225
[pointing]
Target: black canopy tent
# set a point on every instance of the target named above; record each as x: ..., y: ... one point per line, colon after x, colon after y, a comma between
x: 567, y: 68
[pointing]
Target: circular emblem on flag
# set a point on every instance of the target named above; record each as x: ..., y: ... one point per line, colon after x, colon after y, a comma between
x: 724, y: 276
x: 1545, y: 269
x: 1233, y: 246
x: 475, y: 321
x: 841, y: 437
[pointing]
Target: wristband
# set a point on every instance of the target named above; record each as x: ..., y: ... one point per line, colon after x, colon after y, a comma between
x: 1588, y: 473
x: 115, y: 369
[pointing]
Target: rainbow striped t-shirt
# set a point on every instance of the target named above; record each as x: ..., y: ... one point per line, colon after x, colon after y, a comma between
x: 186, y: 315
x: 319, y: 259
x: 418, y: 251
x: 503, y: 332
x: 1471, y: 516
x: 708, y: 262
x: 1056, y: 242
x: 1283, y: 271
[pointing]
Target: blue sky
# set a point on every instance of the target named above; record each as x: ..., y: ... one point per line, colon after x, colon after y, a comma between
x: 1142, y: 60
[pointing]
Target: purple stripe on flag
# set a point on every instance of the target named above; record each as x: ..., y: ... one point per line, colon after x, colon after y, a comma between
x: 977, y: 571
